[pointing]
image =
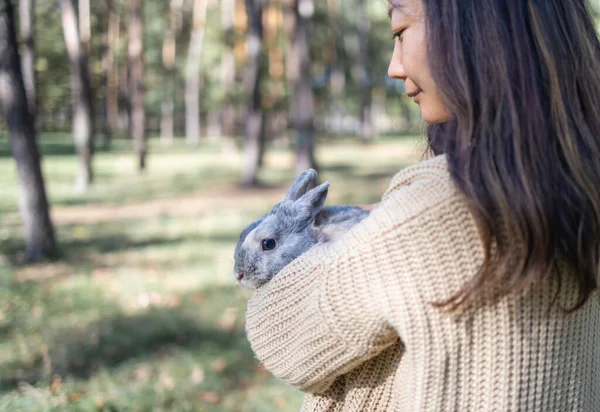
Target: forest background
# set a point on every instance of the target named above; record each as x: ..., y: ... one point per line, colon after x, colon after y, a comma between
x: 137, y: 139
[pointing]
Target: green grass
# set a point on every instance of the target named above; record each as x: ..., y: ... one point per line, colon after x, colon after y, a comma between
x: 142, y: 313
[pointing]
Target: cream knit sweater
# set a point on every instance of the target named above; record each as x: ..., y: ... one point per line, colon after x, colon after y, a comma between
x: 350, y: 323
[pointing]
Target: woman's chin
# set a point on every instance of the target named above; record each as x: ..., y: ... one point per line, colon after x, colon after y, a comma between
x: 435, y: 114
x: 433, y: 119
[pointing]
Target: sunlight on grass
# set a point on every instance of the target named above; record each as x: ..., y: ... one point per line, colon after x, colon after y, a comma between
x: 142, y: 312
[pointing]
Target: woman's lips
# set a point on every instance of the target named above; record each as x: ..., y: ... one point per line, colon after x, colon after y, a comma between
x: 415, y: 95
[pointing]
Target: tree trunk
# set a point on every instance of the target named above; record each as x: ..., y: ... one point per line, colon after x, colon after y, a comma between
x: 38, y: 230
x: 136, y: 81
x: 337, y: 77
x: 192, y: 83
x: 299, y: 72
x: 255, y: 120
x: 169, y: 53
x: 111, y: 79
x: 213, y: 123
x: 26, y: 20
x: 85, y: 36
x: 123, y: 98
x: 366, y: 130
x: 228, y: 113
x: 83, y: 125
x: 275, y: 101
x: 85, y: 32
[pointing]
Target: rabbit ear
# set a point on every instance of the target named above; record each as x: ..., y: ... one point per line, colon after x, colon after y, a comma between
x: 311, y: 202
x: 303, y: 182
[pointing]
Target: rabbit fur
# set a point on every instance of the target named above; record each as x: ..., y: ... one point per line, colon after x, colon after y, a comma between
x: 292, y: 227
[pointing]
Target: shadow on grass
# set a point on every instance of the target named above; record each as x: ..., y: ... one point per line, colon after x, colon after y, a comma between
x: 46, y: 149
x: 61, y: 144
x: 81, y: 352
x: 84, y: 252
x: 106, y: 192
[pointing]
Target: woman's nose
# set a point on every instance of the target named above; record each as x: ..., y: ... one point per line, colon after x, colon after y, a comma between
x: 396, y: 68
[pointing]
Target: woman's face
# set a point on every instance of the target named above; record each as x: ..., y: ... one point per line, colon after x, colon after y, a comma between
x: 409, y: 61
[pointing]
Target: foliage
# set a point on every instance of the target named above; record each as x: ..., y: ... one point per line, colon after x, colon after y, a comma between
x: 52, y: 68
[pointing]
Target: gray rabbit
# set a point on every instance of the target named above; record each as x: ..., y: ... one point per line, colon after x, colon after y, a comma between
x: 291, y: 228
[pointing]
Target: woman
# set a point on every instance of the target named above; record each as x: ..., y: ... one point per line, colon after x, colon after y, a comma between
x: 473, y: 285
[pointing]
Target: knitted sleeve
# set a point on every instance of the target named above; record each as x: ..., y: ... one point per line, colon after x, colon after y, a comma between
x: 328, y: 311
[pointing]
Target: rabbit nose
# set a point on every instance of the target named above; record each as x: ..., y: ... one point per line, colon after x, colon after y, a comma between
x: 240, y: 275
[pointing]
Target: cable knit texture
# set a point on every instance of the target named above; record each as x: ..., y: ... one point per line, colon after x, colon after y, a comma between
x: 350, y: 322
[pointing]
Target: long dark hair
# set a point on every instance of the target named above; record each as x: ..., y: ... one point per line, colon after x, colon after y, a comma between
x: 522, y: 80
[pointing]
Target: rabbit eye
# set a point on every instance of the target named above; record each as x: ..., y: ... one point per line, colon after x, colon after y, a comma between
x: 268, y: 244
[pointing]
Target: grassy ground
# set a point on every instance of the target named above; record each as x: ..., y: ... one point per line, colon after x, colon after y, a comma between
x: 142, y: 313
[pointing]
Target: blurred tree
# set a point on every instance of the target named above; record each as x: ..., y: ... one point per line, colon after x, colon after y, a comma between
x: 38, y: 229
x: 51, y: 68
x: 83, y: 119
x: 331, y: 57
x: 255, y: 118
x: 85, y: 31
x: 299, y: 14
x: 135, y: 52
x: 274, y: 85
x: 192, y: 86
x: 363, y: 72
x: 26, y: 27
x: 332, y: 45
x: 169, y: 54
x: 228, y: 112
x: 111, y: 81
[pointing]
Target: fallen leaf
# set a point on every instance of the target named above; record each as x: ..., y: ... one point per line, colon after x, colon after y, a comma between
x: 36, y: 312
x: 74, y: 397
x: 100, y: 273
x: 210, y: 397
x: 56, y: 384
x: 199, y: 299
x: 142, y: 372
x: 261, y: 370
x: 280, y: 403
x: 197, y: 375
x: 168, y: 382
x: 228, y: 319
x: 173, y: 301
x: 218, y: 365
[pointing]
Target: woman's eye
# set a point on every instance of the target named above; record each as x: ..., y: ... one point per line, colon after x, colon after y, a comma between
x: 268, y: 244
x: 398, y: 35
